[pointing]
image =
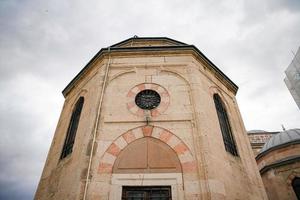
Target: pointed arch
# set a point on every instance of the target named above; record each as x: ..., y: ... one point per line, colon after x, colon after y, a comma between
x: 147, y: 155
x: 223, y: 95
x: 186, y: 159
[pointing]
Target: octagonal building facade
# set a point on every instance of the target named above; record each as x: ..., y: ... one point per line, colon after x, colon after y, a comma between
x: 150, y: 118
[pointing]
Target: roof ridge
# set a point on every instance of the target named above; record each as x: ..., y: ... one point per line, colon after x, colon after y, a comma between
x: 147, y: 38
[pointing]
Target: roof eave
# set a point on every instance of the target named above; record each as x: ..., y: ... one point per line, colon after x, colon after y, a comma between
x: 265, y: 152
x: 286, y: 161
x: 104, y: 51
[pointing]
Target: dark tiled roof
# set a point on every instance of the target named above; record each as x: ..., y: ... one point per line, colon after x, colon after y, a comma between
x: 281, y: 138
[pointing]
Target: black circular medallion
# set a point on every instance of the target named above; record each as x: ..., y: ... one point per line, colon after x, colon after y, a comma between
x: 147, y: 99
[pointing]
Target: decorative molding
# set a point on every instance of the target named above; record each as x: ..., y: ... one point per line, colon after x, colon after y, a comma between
x: 286, y: 161
x: 168, y: 179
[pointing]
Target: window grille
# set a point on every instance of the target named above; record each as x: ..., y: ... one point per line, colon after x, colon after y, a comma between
x: 71, y: 133
x: 225, y: 126
x: 146, y: 193
x: 147, y: 99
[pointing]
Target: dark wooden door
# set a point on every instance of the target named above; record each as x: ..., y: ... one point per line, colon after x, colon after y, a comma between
x: 146, y: 193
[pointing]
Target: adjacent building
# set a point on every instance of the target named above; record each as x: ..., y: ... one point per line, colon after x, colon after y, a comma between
x: 258, y: 138
x: 292, y: 79
x: 150, y: 118
x: 279, y: 165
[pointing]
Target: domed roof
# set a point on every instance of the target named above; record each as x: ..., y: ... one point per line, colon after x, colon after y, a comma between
x: 282, y: 138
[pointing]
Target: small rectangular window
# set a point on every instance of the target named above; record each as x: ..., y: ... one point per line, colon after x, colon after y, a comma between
x: 146, y: 193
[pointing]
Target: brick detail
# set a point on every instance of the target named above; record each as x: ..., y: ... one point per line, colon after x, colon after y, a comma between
x: 185, y: 157
x: 121, y: 143
x: 147, y: 130
x: 105, y: 168
x: 130, y: 105
x: 148, y: 86
x: 141, y: 87
x: 108, y: 158
x: 155, y: 113
x: 189, y: 167
x: 139, y: 112
x: 180, y: 148
x: 163, y: 105
x: 173, y: 141
x: 129, y: 137
x: 131, y: 94
x: 138, y: 133
x: 113, y: 149
x: 165, y: 136
x: 154, y: 87
x: 164, y: 94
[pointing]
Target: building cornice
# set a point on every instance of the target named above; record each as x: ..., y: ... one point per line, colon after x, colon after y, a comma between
x: 263, y: 133
x: 175, y: 42
x: 105, y: 51
x: 279, y: 163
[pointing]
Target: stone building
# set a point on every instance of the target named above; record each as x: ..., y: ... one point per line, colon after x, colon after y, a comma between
x: 150, y: 118
x: 279, y: 165
x: 258, y: 138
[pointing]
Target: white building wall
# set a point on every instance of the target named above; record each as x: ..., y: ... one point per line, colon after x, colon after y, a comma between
x: 292, y: 79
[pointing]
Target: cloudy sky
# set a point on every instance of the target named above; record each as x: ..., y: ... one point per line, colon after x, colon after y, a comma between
x: 44, y: 44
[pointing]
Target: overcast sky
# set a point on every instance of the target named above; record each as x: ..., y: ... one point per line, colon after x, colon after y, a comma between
x: 44, y: 44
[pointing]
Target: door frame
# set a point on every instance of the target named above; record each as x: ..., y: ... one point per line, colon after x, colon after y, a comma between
x: 147, y: 179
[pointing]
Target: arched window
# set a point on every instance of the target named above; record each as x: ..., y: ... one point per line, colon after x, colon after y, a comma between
x: 296, y: 186
x: 71, y: 133
x: 225, y: 126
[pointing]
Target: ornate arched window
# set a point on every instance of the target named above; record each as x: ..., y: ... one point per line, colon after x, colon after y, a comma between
x: 296, y: 186
x: 71, y: 133
x: 225, y: 126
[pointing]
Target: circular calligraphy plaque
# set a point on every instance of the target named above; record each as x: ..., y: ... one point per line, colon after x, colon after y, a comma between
x: 147, y: 99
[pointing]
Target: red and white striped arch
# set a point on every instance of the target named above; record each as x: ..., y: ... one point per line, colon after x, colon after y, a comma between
x: 164, y: 95
x: 185, y: 156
